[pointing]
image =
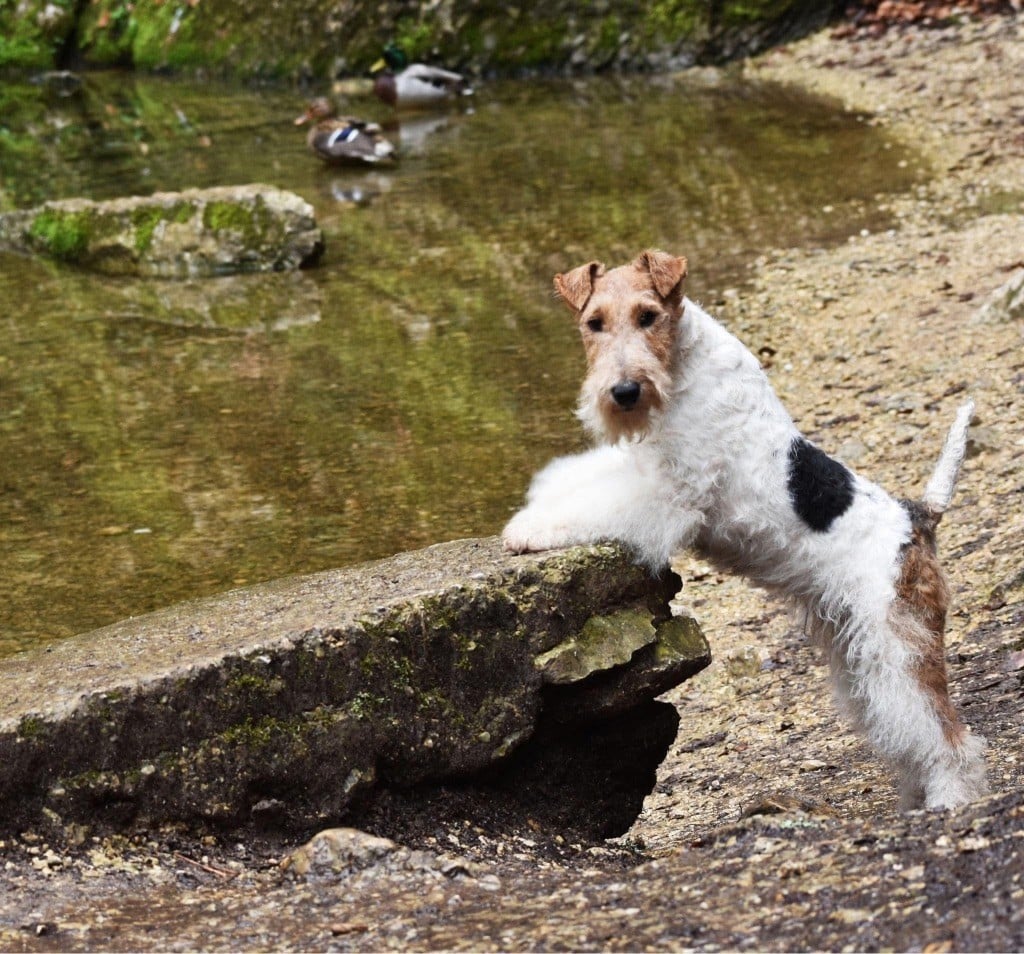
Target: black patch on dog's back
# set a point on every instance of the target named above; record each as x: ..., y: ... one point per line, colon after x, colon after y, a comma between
x: 820, y: 488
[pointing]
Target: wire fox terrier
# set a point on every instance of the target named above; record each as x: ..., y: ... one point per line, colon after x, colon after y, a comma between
x: 698, y: 451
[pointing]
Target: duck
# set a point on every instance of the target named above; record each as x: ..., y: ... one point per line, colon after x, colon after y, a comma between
x: 414, y: 86
x: 343, y: 139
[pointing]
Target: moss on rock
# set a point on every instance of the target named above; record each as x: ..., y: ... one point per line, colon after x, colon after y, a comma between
x: 61, y: 233
x: 603, y: 643
x: 222, y: 216
x: 145, y: 220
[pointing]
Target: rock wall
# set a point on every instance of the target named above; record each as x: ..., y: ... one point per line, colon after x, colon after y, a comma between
x: 329, y: 38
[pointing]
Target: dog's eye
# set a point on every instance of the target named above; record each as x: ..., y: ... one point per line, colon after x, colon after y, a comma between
x: 595, y: 324
x: 647, y: 318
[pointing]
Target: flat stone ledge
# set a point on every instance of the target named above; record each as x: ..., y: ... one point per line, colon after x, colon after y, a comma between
x: 284, y: 703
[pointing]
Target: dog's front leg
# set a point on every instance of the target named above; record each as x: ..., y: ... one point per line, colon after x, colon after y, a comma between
x: 609, y: 493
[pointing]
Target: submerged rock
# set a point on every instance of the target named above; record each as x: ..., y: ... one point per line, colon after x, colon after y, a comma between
x: 195, y: 233
x: 285, y: 704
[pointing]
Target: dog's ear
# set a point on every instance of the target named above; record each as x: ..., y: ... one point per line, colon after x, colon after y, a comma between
x: 575, y: 287
x: 667, y: 272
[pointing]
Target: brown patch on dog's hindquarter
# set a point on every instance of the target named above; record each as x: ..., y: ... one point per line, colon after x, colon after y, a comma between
x: 923, y: 590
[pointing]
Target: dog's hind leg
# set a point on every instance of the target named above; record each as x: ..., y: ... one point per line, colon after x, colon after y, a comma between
x: 890, y: 680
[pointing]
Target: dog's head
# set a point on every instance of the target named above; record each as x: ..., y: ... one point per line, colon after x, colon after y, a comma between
x: 629, y: 320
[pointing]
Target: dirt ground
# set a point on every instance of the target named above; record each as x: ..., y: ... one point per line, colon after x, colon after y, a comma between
x: 770, y: 826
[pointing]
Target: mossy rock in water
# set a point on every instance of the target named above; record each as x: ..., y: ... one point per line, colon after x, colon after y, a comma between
x: 200, y: 232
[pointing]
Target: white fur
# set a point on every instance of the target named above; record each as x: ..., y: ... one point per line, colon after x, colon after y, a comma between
x: 939, y: 491
x: 711, y: 472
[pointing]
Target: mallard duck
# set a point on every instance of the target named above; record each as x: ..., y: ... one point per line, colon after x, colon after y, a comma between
x: 343, y: 139
x: 414, y: 86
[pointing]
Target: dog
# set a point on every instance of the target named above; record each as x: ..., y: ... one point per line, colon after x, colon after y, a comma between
x: 696, y: 450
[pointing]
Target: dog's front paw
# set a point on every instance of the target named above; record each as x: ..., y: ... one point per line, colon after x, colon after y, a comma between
x: 524, y: 533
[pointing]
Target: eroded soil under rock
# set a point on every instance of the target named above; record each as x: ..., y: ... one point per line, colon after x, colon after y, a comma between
x: 770, y: 826
x: 585, y: 783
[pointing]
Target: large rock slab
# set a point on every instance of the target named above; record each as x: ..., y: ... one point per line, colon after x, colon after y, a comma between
x: 198, y: 232
x: 284, y: 703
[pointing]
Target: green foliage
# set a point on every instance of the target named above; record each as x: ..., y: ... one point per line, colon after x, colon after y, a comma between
x: 280, y: 40
x: 146, y: 34
x: 23, y: 47
x: 414, y: 38
x: 672, y: 19
x: 165, y: 36
x: 607, y: 42
x: 106, y: 32
x: 536, y: 43
x: 32, y: 33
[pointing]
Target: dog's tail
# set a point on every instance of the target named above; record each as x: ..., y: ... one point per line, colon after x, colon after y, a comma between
x: 939, y: 491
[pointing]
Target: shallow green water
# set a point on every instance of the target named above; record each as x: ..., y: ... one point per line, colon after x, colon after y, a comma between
x: 164, y: 440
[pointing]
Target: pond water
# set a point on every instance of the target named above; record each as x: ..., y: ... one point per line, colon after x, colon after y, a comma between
x: 164, y: 440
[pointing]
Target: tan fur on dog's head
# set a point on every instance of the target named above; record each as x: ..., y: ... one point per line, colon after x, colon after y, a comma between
x: 629, y: 320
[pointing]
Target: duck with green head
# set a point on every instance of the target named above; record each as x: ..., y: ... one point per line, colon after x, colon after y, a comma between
x: 414, y: 86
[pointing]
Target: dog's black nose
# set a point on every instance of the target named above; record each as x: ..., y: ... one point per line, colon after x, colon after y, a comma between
x: 626, y: 394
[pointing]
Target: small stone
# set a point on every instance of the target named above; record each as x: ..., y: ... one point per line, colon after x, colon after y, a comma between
x: 338, y: 851
x: 743, y: 663
x: 972, y: 843
x: 349, y: 927
x: 852, y: 916
x: 851, y: 451
x: 1006, y: 303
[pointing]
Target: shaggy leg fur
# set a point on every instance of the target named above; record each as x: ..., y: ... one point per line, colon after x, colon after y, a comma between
x: 594, y: 496
x: 878, y: 685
